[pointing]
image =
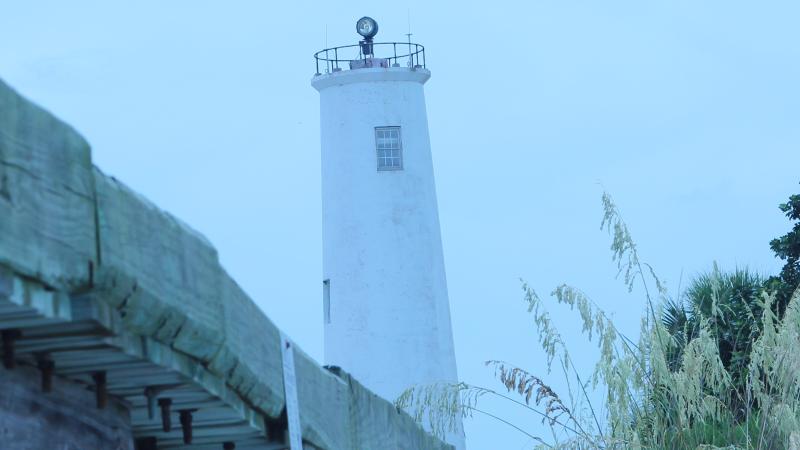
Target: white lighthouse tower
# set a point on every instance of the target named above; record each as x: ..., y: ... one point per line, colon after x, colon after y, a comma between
x: 386, y: 308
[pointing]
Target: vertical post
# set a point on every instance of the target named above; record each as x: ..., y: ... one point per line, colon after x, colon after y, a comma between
x: 101, y: 392
x: 9, y: 336
x: 290, y: 394
x: 150, y: 395
x: 275, y: 429
x: 166, y: 421
x: 47, y: 367
x: 146, y: 443
x: 410, y: 54
x: 186, y: 424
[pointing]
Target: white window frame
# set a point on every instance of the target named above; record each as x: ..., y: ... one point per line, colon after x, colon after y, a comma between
x: 389, y: 157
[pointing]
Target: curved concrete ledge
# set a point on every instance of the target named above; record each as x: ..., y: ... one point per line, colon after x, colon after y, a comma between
x: 371, y: 74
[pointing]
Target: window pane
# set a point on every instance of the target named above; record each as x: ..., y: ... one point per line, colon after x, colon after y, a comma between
x: 389, y: 148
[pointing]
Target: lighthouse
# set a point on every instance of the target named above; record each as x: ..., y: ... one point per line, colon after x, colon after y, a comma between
x: 385, y: 303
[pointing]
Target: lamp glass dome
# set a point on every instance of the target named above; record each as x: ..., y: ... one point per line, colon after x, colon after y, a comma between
x: 367, y: 27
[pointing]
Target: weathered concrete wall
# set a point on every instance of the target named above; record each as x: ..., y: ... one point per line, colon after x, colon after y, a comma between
x: 64, y: 419
x: 46, y: 195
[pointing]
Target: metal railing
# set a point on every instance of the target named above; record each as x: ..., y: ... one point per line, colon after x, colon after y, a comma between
x: 333, y: 58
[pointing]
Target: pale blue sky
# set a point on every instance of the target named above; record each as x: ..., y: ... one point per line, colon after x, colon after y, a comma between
x: 687, y: 112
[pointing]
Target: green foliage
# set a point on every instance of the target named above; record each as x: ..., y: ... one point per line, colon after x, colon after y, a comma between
x: 787, y: 248
x: 731, y: 305
x: 713, y: 435
x: 717, y: 369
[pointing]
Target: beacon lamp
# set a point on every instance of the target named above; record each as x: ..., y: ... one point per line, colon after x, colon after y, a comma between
x: 367, y: 27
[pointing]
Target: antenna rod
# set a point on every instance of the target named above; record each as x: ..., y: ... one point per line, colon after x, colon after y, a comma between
x: 410, y: 56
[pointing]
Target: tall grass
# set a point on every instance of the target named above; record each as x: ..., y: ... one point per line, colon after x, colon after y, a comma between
x: 662, y: 390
